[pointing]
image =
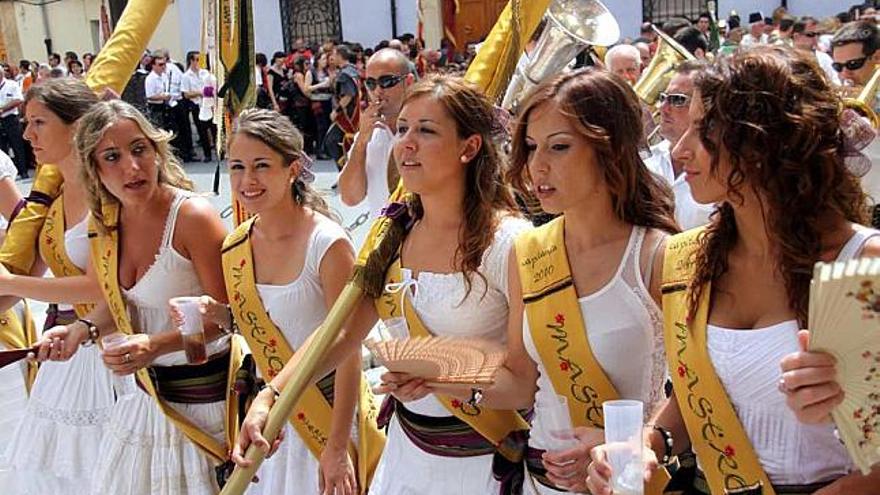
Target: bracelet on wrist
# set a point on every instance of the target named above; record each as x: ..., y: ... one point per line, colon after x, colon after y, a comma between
x: 93, y: 333
x: 275, y: 392
x: 667, y: 443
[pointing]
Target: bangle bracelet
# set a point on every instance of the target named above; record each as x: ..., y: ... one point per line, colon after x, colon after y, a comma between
x: 667, y: 443
x: 233, y: 326
x: 275, y: 392
x: 93, y: 334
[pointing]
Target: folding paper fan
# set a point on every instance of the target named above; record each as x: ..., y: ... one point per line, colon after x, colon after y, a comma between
x: 845, y: 322
x: 441, y: 360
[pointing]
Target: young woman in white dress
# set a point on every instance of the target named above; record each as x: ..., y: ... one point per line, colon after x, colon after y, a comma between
x: 576, y: 148
x: 70, y: 402
x: 766, y: 144
x: 168, y: 244
x: 453, y: 265
x: 302, y: 258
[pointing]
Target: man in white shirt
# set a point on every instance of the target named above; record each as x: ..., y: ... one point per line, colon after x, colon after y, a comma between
x: 178, y: 111
x: 756, y: 34
x: 365, y: 174
x: 157, y: 93
x: 673, y: 124
x: 805, y: 36
x: 10, y: 126
x: 192, y: 86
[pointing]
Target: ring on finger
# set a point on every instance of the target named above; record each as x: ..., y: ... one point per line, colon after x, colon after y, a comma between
x: 126, y: 358
x: 783, y: 387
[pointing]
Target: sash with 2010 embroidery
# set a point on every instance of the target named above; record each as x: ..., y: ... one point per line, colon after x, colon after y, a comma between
x: 558, y: 330
x: 726, y: 455
x: 104, y: 245
x: 311, y: 418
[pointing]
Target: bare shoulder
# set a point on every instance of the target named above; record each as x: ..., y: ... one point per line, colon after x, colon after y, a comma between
x: 199, y: 221
x: 872, y: 247
x: 197, y: 209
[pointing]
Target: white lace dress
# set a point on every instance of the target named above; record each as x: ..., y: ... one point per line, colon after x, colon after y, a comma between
x: 625, y: 330
x: 297, y: 308
x: 404, y: 468
x: 142, y: 452
x: 54, y: 446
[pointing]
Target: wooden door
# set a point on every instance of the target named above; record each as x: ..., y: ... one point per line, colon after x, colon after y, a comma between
x: 475, y: 19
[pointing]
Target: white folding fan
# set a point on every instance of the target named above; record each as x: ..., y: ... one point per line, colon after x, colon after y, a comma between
x: 444, y: 361
x: 845, y: 322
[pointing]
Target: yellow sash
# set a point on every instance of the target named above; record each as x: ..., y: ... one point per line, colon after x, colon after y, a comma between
x: 722, y: 446
x: 557, y: 326
x: 559, y: 332
x: 493, y: 424
x: 54, y: 252
x: 105, y: 256
x: 313, y: 414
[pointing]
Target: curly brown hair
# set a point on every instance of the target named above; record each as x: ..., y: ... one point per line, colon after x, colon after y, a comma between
x: 608, y: 114
x: 487, y: 199
x: 772, y: 113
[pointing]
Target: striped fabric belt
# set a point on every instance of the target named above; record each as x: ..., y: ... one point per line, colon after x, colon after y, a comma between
x: 192, y: 384
x: 445, y: 436
x: 536, y: 469
x: 55, y: 316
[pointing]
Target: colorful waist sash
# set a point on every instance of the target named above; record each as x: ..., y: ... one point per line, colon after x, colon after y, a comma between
x: 55, y: 316
x: 192, y: 384
x: 445, y: 436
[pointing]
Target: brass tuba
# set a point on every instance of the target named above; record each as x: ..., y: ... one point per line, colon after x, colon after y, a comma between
x: 864, y: 102
x: 656, y: 76
x: 571, y: 26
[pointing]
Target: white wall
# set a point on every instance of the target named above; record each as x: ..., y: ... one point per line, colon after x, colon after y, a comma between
x: 268, y: 37
x: 745, y: 7
x: 818, y: 8
x: 628, y: 14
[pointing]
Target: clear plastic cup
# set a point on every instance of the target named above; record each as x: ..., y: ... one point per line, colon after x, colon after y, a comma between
x: 115, y: 339
x: 191, y: 329
x: 395, y: 328
x: 554, y: 419
x: 623, y: 437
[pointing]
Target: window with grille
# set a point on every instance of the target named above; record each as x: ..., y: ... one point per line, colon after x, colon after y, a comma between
x: 315, y: 21
x: 658, y: 11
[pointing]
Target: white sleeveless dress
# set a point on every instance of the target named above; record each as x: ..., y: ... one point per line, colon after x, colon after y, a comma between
x: 747, y: 362
x: 142, y: 452
x: 297, y: 309
x: 54, y: 447
x: 439, y: 300
x: 625, y: 330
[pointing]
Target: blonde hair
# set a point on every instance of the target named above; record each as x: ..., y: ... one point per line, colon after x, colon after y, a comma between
x: 92, y: 127
x: 277, y: 132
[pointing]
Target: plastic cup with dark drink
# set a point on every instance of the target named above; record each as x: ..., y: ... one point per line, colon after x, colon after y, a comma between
x: 191, y: 329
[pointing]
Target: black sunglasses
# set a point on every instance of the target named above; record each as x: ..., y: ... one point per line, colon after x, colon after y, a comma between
x: 854, y: 64
x: 385, y: 82
x: 675, y: 99
x: 811, y: 34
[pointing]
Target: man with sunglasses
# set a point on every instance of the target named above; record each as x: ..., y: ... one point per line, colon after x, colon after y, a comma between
x: 365, y: 174
x: 805, y: 36
x: 854, y: 49
x: 674, y: 121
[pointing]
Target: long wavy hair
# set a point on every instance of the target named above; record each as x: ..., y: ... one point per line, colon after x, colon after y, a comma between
x: 277, y: 132
x: 772, y: 114
x: 487, y: 199
x: 606, y: 111
x: 92, y: 127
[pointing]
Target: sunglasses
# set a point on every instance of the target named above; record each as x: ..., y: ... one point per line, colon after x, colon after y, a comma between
x: 677, y: 100
x: 854, y: 64
x: 812, y: 34
x: 385, y: 82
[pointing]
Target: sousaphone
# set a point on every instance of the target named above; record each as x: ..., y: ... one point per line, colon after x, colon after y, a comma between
x: 571, y: 26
